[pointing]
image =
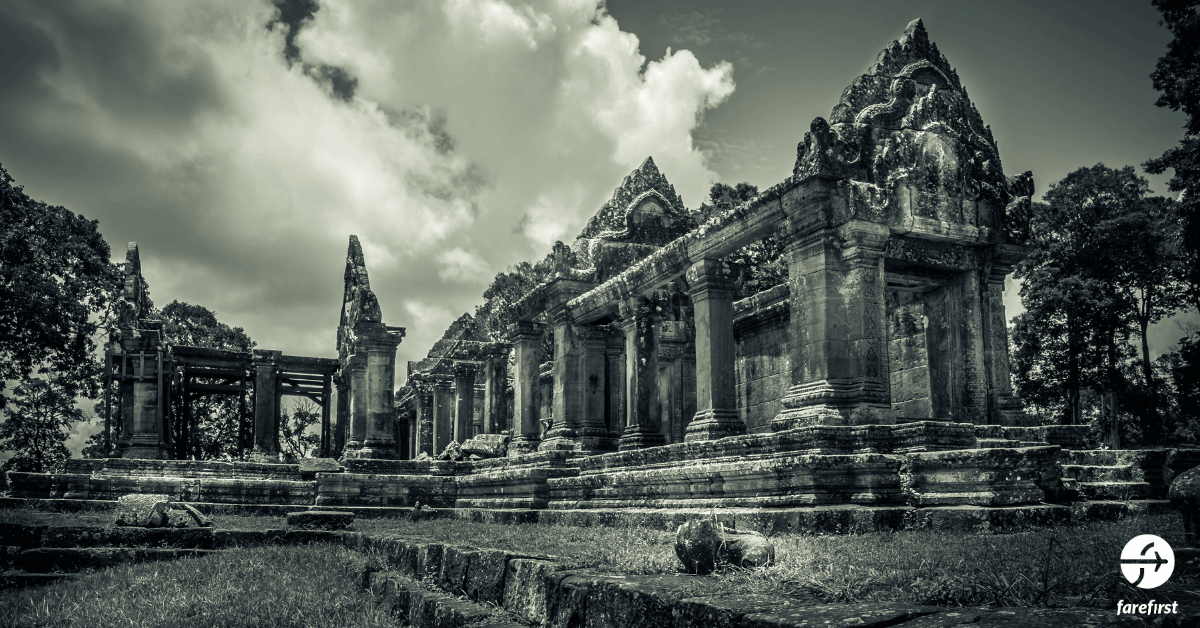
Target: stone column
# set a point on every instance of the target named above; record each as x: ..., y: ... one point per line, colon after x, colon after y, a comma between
x: 266, y: 406
x: 443, y: 414
x: 424, y: 437
x: 464, y: 399
x: 526, y: 389
x: 839, y: 361
x: 495, y: 382
x: 579, y: 389
x: 712, y: 295
x: 1003, y: 407
x: 142, y: 408
x: 546, y: 397
x: 671, y: 339
x: 356, y: 371
x: 641, y: 429
x: 372, y: 405
x: 614, y: 353
x: 341, y: 430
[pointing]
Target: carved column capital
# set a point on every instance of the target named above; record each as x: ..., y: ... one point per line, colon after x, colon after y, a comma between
x: 862, y: 241
x: 465, y: 368
x: 710, y: 278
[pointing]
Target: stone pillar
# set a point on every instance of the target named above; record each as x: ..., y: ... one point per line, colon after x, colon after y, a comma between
x: 712, y: 295
x: 356, y: 372
x: 142, y: 408
x: 266, y: 406
x: 526, y: 389
x: 614, y: 353
x: 546, y: 397
x: 443, y: 414
x: 1003, y: 407
x: 579, y: 389
x: 464, y: 399
x: 341, y: 430
x: 840, y: 373
x: 424, y: 437
x: 495, y: 383
x: 641, y: 368
x: 672, y: 345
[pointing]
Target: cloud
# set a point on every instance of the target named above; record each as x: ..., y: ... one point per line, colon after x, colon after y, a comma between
x: 702, y: 28
x: 241, y: 145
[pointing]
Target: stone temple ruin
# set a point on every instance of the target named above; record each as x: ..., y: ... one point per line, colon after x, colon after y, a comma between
x: 875, y: 381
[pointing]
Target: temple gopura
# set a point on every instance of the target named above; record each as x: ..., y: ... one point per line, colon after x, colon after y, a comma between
x: 877, y: 376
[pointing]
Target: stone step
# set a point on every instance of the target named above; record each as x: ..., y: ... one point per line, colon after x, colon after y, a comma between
x: 997, y: 443
x: 1099, y: 473
x: 1118, y: 491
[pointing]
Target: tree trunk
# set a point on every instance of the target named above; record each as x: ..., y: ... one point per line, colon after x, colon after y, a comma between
x: 1074, y: 413
x: 1150, y: 419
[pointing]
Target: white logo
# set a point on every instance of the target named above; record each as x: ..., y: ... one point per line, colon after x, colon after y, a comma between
x: 1147, y: 561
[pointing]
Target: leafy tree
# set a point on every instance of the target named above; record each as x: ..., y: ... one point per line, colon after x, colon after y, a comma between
x: 39, y: 422
x: 56, y: 289
x: 296, y: 442
x: 217, y: 417
x: 1177, y: 76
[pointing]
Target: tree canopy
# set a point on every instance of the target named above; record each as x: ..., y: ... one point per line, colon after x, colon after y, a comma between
x: 1105, y: 266
x: 1177, y: 76
x: 39, y: 422
x: 57, y: 285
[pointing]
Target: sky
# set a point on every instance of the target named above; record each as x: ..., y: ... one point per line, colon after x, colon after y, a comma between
x: 240, y: 145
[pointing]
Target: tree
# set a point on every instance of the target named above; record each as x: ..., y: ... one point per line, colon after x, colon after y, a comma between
x: 39, y: 421
x: 56, y: 289
x: 1177, y: 76
x: 217, y: 417
x: 296, y: 442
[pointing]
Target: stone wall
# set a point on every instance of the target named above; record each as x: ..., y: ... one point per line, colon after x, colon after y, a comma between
x: 762, y: 356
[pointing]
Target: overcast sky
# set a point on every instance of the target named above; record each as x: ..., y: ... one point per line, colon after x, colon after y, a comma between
x: 240, y: 147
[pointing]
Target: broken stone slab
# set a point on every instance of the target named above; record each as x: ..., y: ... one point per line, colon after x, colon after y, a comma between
x: 703, y: 544
x: 320, y: 520
x: 453, y: 451
x: 311, y: 466
x: 196, y: 518
x: 487, y: 445
x: 143, y: 511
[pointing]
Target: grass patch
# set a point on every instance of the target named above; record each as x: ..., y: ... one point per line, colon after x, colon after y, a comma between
x: 1064, y: 566
x: 309, y: 586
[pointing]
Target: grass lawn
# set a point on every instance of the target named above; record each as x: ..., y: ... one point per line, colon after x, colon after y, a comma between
x: 316, y: 585
x: 1062, y: 566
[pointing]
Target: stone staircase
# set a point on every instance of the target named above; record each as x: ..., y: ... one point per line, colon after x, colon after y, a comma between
x: 1119, y: 475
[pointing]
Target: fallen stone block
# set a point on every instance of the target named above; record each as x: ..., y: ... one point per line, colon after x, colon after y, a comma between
x: 143, y: 511
x: 320, y: 520
x: 702, y: 544
x: 487, y: 445
x: 1185, y: 497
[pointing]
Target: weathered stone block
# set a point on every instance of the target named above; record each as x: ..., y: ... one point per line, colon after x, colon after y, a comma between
x: 484, y: 581
x: 527, y: 588
x: 147, y: 511
x: 429, y: 560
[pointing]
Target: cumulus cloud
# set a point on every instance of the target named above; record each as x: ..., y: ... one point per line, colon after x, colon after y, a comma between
x: 241, y: 146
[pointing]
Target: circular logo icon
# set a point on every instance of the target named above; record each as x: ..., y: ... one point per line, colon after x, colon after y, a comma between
x: 1147, y: 561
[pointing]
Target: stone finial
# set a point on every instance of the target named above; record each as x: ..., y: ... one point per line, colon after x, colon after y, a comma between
x: 134, y: 302
x: 613, y: 215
